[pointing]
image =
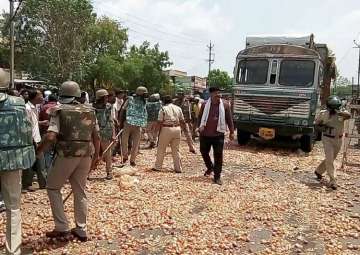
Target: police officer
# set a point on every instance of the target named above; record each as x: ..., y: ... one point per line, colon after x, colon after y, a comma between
x: 171, y: 119
x: 105, y: 120
x: 331, y: 121
x: 133, y: 116
x: 73, y: 127
x: 16, y: 153
x: 153, y: 107
x: 185, y: 106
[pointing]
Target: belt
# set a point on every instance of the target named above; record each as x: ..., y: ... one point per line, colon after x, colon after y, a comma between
x: 174, y: 125
x: 333, y: 136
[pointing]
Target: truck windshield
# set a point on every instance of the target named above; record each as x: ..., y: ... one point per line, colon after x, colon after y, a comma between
x: 253, y: 71
x: 299, y: 73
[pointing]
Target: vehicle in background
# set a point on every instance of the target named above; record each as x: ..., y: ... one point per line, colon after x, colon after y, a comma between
x: 278, y: 83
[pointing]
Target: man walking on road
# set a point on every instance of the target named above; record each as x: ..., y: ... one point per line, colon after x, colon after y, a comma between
x: 214, y: 116
x: 331, y: 121
x: 170, y: 119
x: 74, y: 130
x: 15, y: 131
x: 134, y: 117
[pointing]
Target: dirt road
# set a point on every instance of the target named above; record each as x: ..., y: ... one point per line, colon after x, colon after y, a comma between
x: 270, y: 203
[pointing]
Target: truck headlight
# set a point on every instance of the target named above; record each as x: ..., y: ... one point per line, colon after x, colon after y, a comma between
x: 305, y: 123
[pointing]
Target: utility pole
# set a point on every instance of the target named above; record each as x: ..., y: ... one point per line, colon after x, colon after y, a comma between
x: 211, y: 58
x: 12, y: 51
x: 357, y: 46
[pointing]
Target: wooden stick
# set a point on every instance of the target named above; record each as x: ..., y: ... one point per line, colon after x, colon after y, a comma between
x: 92, y: 168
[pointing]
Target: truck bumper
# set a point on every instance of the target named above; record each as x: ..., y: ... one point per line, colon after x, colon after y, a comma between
x: 283, y: 130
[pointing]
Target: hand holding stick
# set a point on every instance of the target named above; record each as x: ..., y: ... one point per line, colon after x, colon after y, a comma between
x: 95, y: 161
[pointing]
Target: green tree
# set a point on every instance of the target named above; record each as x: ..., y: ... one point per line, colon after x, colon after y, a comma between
x: 144, y: 66
x: 219, y: 78
x: 342, y: 87
x: 58, y: 40
x: 50, y: 38
x: 105, y: 46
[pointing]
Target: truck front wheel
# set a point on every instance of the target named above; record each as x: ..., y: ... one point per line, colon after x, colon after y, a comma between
x: 306, y: 143
x: 243, y: 137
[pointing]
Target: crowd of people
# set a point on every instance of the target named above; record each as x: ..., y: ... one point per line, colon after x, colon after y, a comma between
x: 61, y: 138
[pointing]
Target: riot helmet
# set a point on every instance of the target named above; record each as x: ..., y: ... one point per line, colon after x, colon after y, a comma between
x: 101, y: 93
x: 333, y: 103
x: 140, y: 91
x: 69, y: 90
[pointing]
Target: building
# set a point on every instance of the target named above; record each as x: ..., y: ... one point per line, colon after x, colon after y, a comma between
x: 192, y: 84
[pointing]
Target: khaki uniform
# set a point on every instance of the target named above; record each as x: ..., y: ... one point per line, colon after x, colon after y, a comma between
x: 76, y: 170
x: 332, y: 141
x: 170, y: 115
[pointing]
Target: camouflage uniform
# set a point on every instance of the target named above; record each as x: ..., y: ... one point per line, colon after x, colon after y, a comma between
x: 106, y: 125
x: 15, y: 130
x: 136, y: 118
x: 185, y: 106
x: 153, y: 109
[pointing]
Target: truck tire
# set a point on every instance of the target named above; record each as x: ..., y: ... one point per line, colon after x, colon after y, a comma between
x: 243, y: 137
x: 306, y: 143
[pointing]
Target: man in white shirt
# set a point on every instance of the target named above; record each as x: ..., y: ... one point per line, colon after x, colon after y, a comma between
x: 35, y: 98
x: 119, y: 100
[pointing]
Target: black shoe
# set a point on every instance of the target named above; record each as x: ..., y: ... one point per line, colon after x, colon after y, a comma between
x: 109, y: 176
x: 79, y: 234
x: 218, y: 181
x: 208, y: 172
x: 334, y: 186
x: 193, y: 151
x: 155, y: 170
x: 57, y: 234
x: 152, y: 145
x: 132, y: 163
x: 318, y: 176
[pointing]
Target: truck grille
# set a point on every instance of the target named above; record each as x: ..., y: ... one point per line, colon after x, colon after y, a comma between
x: 273, y: 107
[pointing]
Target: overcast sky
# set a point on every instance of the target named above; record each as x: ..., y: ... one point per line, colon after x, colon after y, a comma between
x: 185, y: 27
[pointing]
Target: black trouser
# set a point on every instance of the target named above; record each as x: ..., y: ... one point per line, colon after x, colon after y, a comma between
x: 217, y: 143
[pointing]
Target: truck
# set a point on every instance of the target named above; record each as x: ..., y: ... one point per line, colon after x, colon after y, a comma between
x: 277, y: 88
